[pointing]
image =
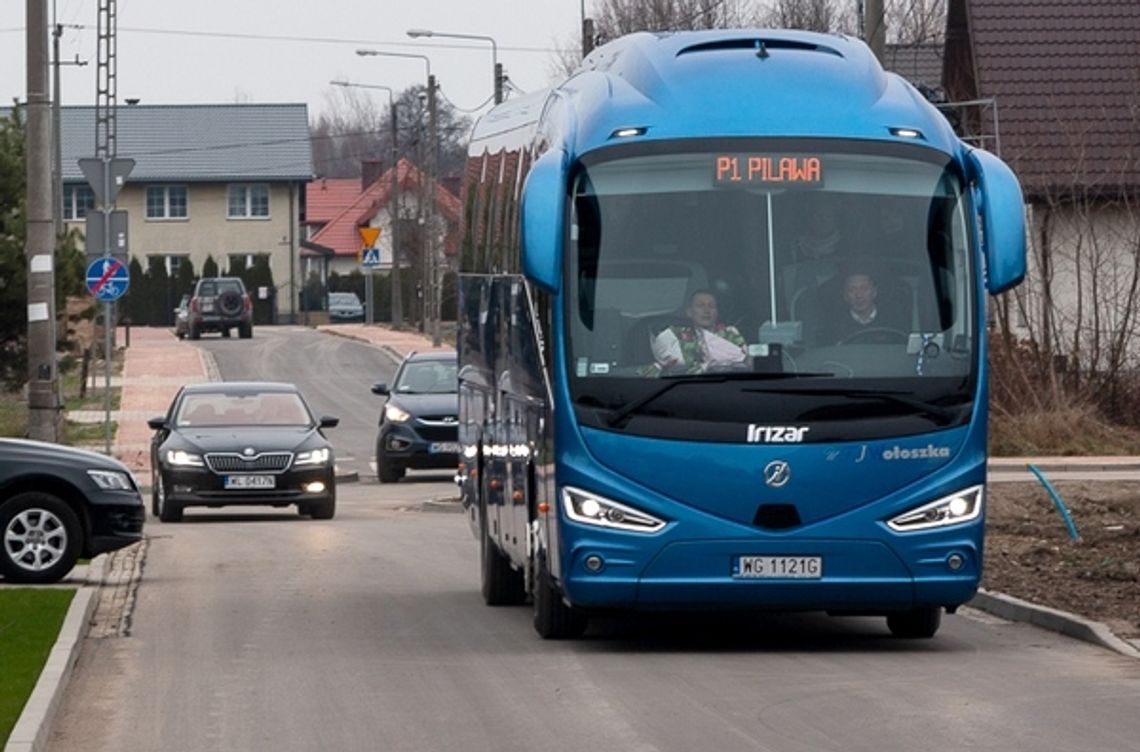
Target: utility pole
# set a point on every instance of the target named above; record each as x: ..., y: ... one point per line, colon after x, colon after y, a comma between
x: 394, y: 214
x: 433, y: 262
x: 876, y: 28
x: 106, y: 147
x: 56, y: 133
x: 43, y: 382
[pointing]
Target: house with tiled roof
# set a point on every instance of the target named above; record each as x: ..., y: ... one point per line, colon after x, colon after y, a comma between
x: 223, y: 180
x: 1056, y: 92
x: 338, y: 208
x: 921, y: 64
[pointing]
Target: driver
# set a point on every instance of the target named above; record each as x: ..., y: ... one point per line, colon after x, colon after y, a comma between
x: 861, y: 313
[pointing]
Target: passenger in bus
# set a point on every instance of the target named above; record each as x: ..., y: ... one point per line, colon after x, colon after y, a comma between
x: 703, y: 344
x: 862, y: 317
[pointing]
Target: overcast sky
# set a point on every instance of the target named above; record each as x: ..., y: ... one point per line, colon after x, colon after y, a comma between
x: 224, y: 51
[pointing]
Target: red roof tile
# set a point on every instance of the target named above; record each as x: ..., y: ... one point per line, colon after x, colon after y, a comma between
x: 340, y: 233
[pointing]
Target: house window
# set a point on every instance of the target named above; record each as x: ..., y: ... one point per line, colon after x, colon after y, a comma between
x: 77, y: 201
x: 174, y: 263
x: 247, y: 200
x: 166, y: 202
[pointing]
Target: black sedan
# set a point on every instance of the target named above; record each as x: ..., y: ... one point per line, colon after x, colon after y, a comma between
x: 247, y: 443
x: 58, y: 504
x: 419, y: 425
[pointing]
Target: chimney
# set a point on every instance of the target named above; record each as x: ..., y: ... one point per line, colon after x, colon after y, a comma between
x: 370, y: 172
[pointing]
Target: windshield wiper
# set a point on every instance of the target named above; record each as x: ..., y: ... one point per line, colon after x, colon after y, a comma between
x: 941, y: 414
x: 621, y: 413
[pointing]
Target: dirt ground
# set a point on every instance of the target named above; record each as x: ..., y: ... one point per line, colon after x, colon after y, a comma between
x: 1031, y: 555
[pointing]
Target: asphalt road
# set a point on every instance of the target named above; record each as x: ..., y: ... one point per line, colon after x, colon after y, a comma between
x: 334, y: 373
x: 257, y: 630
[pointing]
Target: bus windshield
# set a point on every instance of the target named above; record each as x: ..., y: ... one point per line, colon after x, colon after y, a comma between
x: 818, y: 282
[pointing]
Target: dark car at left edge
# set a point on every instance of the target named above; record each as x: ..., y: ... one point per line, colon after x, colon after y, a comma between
x: 59, y: 504
x: 241, y: 443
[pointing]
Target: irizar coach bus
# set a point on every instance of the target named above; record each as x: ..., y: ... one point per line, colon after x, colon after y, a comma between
x: 761, y: 168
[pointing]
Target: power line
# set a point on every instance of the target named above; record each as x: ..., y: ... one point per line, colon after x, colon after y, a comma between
x: 308, y: 39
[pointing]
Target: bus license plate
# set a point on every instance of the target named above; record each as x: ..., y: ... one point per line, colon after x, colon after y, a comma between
x: 250, y: 481
x: 444, y: 447
x: 778, y: 567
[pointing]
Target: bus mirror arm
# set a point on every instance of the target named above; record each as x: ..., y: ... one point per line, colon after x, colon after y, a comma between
x: 1002, y: 208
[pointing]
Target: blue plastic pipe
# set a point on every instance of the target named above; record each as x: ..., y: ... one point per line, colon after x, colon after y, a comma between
x: 1057, y: 502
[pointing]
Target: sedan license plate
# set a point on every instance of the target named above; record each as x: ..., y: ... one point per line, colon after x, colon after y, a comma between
x: 778, y: 567
x: 443, y: 447
x: 250, y: 481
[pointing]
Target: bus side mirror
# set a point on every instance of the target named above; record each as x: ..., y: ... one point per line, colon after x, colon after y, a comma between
x: 544, y: 221
x: 1003, y: 221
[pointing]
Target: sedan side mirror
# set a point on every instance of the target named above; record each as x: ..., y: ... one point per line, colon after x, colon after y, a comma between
x: 327, y: 421
x: 380, y: 388
x: 157, y: 424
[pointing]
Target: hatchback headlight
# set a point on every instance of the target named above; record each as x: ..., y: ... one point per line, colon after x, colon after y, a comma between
x: 315, y: 457
x: 395, y: 414
x: 949, y: 510
x: 591, y: 509
x: 182, y: 458
x: 110, y: 480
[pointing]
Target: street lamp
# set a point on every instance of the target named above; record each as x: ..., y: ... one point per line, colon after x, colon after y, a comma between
x: 397, y: 298
x: 496, y: 68
x: 433, y: 165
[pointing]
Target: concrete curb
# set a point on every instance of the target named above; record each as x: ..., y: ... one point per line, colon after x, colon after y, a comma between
x: 34, y: 724
x: 449, y: 505
x: 395, y: 355
x: 1054, y: 620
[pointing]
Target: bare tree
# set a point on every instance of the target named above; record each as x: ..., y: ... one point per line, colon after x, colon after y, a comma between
x: 812, y: 15
x: 916, y: 21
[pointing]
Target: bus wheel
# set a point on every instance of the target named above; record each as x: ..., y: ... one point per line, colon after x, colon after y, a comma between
x: 502, y: 585
x: 553, y: 619
x: 917, y: 623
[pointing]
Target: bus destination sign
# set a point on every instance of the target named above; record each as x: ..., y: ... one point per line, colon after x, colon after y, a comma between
x: 766, y: 169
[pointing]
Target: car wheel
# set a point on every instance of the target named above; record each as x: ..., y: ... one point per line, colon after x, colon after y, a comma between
x: 41, y: 537
x: 501, y: 584
x: 553, y: 619
x: 167, y: 510
x: 226, y: 332
x: 323, y: 510
x: 180, y: 334
x: 194, y: 333
x: 304, y: 509
x: 386, y: 471
x: 919, y: 623
x: 245, y: 331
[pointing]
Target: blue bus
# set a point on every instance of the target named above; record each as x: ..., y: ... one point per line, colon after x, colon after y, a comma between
x: 722, y: 335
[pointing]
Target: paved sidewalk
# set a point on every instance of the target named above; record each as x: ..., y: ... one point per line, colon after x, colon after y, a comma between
x: 154, y: 367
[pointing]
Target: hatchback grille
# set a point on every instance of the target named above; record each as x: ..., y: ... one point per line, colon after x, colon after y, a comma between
x: 274, y: 462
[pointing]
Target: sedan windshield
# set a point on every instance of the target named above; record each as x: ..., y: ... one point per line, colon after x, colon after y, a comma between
x: 844, y: 268
x: 205, y: 410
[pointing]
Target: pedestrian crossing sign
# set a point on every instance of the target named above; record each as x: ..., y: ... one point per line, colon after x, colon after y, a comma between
x: 370, y: 258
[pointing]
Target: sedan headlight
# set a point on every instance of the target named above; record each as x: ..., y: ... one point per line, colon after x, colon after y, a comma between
x: 395, y: 414
x: 110, y: 480
x: 949, y: 510
x: 591, y: 509
x: 315, y: 457
x: 182, y: 458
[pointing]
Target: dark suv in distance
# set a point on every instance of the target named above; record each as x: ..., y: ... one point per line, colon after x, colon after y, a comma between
x: 220, y: 304
x: 419, y: 425
x: 58, y: 504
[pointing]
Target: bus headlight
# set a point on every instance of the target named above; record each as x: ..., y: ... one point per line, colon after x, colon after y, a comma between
x: 591, y: 509
x: 949, y: 510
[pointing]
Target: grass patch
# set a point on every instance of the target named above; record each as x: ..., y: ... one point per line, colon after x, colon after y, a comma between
x: 30, y: 620
x: 13, y: 415
x: 87, y: 434
x: 1072, y: 432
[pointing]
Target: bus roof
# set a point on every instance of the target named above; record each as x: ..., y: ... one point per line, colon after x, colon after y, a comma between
x: 723, y: 83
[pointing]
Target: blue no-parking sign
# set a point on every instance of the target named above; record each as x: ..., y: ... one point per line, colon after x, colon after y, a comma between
x: 107, y: 278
